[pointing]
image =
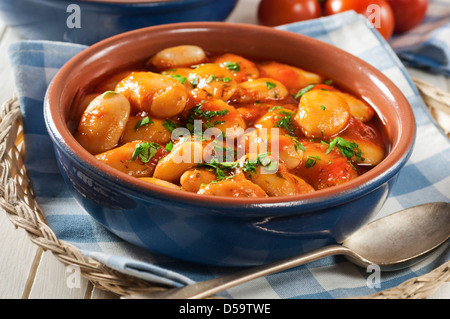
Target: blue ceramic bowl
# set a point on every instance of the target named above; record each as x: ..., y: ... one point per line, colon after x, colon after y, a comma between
x: 216, y: 230
x: 89, y: 21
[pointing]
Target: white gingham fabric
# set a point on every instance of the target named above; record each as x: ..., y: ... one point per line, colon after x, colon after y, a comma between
x: 425, y: 178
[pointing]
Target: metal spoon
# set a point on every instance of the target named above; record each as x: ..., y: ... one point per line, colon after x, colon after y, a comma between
x: 392, y: 242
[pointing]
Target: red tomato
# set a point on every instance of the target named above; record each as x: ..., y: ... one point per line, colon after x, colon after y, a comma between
x: 378, y: 12
x: 408, y: 13
x: 278, y: 12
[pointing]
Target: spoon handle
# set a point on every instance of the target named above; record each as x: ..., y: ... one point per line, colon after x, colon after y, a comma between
x: 210, y: 287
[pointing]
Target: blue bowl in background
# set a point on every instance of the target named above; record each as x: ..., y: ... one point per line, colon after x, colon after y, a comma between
x: 223, y: 230
x: 87, y: 22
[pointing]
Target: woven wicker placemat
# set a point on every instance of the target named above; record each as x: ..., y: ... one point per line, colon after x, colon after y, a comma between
x: 17, y: 200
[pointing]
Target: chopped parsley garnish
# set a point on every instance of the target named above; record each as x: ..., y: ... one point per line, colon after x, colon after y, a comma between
x: 143, y: 121
x: 194, y: 82
x: 275, y: 108
x: 311, y: 161
x: 225, y: 152
x: 297, y: 144
x: 232, y: 66
x: 270, y: 85
x: 198, y: 112
x: 209, y: 125
x: 221, y: 168
x: 323, y: 108
x: 348, y: 149
x: 304, y: 90
x: 213, y: 77
x: 250, y: 166
x: 171, y: 126
x: 328, y: 82
x: 353, y: 166
x: 145, y: 151
x: 287, y: 122
x: 169, y: 146
x: 179, y: 78
x: 210, y: 78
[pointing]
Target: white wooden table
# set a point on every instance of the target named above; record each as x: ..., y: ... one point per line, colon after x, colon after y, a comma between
x: 26, y: 271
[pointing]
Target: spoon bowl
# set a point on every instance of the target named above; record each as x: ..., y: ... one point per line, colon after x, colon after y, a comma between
x: 393, y: 242
x: 399, y: 240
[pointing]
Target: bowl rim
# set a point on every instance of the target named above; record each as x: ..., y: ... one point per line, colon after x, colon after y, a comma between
x: 383, y: 172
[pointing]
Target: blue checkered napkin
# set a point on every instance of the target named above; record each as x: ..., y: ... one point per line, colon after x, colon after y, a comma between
x: 427, y: 45
x: 426, y: 177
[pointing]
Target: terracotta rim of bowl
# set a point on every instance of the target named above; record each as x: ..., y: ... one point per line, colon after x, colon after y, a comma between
x: 398, y: 155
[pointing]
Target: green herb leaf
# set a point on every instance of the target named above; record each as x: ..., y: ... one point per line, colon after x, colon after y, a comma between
x: 197, y: 112
x: 270, y: 85
x: 145, y: 151
x: 221, y: 168
x: 224, y: 168
x: 143, y: 121
x: 275, y: 108
x: 179, y: 78
x: 261, y: 160
x: 169, y: 146
x: 223, y: 153
x: 232, y: 66
x: 311, y: 161
x: 304, y: 90
x: 171, y: 126
x: 348, y: 149
x: 297, y: 144
x: 194, y: 82
x: 287, y: 122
